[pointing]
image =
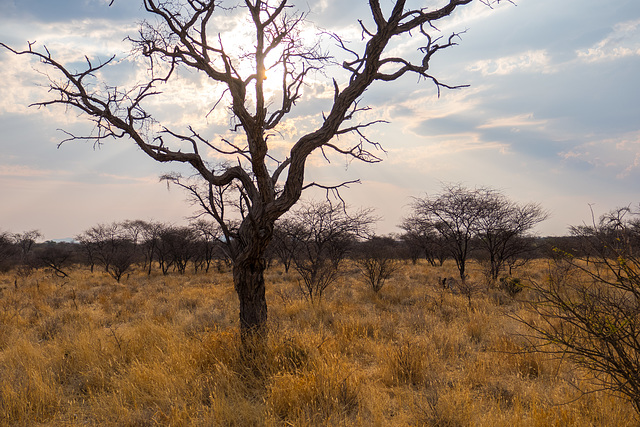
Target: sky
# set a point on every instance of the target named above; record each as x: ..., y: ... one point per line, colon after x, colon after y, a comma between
x: 551, y: 114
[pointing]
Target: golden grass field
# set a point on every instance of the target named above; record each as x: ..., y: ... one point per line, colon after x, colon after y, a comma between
x: 164, y: 350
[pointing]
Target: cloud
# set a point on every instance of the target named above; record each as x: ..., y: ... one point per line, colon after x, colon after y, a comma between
x: 619, y: 155
x: 445, y: 145
x: 532, y: 61
x: 68, y: 43
x: 424, y: 105
x: 24, y: 171
x: 66, y: 10
x: 18, y: 87
x: 117, y: 179
x: 514, y: 122
x: 622, y: 42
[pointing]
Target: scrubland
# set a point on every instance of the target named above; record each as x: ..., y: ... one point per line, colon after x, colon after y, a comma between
x: 165, y: 350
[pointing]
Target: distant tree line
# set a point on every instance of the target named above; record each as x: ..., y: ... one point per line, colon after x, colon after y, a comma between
x: 117, y: 247
x: 459, y: 223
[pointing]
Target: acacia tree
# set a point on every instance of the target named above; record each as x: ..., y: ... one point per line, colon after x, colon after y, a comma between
x: 150, y: 234
x: 377, y: 261
x: 456, y: 214
x: 503, y: 228
x: 285, y: 241
x: 422, y: 239
x: 208, y: 238
x: 25, y: 241
x: 183, y: 34
x: 177, y: 247
x: 472, y: 219
x: 56, y: 256
x: 115, y: 246
x: 325, y: 234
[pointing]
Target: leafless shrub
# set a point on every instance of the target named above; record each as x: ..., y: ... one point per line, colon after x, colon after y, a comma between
x: 326, y: 234
x: 376, y: 261
x: 469, y: 288
x: 591, y: 311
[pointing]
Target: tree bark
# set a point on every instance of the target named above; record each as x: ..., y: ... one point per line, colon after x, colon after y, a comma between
x: 248, y: 279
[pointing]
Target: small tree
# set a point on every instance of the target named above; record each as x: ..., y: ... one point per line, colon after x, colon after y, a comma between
x: 176, y: 248
x: 8, y: 251
x: 456, y: 214
x: 112, y: 245
x: 96, y: 244
x: 591, y: 312
x: 123, y: 256
x: 150, y: 235
x: 502, y: 231
x: 326, y: 234
x: 286, y: 239
x: 25, y: 242
x: 422, y: 239
x: 376, y: 260
x: 207, y: 244
x: 56, y: 256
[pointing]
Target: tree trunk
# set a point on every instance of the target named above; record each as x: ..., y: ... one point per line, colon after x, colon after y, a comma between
x: 248, y: 279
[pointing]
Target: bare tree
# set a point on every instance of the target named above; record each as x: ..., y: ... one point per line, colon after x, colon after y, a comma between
x: 590, y: 313
x: 502, y: 231
x: 456, y: 214
x: 95, y: 242
x: 56, y: 256
x: 207, y: 243
x: 286, y: 240
x: 112, y: 245
x: 422, y: 240
x: 182, y: 34
x: 150, y: 235
x: 179, y: 246
x: 123, y: 256
x: 25, y: 242
x: 377, y: 261
x: 175, y: 248
x: 325, y: 235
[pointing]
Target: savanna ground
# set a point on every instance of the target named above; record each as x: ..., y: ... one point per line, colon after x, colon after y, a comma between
x: 165, y: 350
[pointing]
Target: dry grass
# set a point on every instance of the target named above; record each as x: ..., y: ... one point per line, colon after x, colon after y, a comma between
x: 164, y: 350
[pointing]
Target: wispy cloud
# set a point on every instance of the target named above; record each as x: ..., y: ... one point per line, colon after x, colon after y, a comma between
x: 620, y: 155
x: 447, y: 145
x: 23, y: 171
x: 622, y: 42
x: 532, y: 61
x: 117, y: 179
x: 514, y: 122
